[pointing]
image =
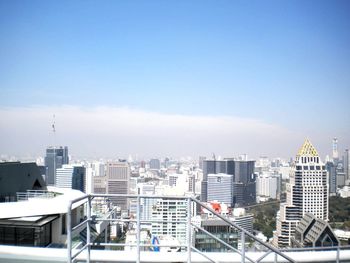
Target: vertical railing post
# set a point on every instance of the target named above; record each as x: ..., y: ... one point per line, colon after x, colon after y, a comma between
x: 69, y: 232
x: 138, y: 229
x: 189, y: 238
x: 243, y: 246
x: 88, y: 231
x: 338, y: 254
x: 276, y: 257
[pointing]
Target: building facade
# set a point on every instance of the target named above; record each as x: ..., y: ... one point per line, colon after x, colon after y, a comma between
x: 307, y: 192
x: 244, y: 189
x: 56, y: 156
x: 71, y: 176
x: 220, y: 188
x: 332, y: 177
x: 268, y: 185
x: 169, y: 211
x: 118, y: 177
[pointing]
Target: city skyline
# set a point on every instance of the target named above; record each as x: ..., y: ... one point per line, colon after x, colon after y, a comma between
x: 182, y: 78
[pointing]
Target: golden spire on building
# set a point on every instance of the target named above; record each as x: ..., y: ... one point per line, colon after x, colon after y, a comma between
x: 308, y: 149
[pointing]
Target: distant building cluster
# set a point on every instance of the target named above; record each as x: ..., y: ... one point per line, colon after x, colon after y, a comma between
x: 228, y: 186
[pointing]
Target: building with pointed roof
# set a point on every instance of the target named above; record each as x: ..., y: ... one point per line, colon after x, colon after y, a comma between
x: 19, y: 177
x: 307, y: 192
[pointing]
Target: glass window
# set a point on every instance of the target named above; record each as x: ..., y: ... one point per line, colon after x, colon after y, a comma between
x: 24, y: 236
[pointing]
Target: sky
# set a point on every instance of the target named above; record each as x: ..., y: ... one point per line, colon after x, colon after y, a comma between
x: 174, y: 78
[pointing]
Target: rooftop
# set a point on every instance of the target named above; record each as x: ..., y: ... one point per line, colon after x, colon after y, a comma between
x: 37, y: 206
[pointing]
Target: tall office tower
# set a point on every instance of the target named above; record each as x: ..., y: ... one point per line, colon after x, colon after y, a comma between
x: 71, y: 176
x: 209, y: 167
x: 347, y: 164
x: 146, y: 204
x: 307, y: 192
x: 244, y: 188
x: 169, y: 211
x: 268, y: 185
x: 118, y: 176
x: 154, y: 164
x: 332, y: 177
x: 244, y: 191
x: 335, y: 151
x: 54, y: 159
x: 191, y: 183
x: 220, y: 188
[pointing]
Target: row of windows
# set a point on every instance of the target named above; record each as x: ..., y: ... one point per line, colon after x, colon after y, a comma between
x: 310, y: 159
x: 310, y: 167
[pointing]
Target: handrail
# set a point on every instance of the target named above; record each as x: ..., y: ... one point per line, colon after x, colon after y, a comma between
x: 244, y: 231
x: 221, y: 241
x: 190, y: 225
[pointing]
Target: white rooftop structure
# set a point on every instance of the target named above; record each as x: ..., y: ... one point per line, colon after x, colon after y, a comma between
x: 40, y: 205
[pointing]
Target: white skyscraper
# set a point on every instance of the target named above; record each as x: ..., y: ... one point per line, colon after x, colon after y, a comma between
x: 268, y: 185
x: 71, y: 176
x: 307, y: 192
x: 171, y: 212
x: 146, y: 203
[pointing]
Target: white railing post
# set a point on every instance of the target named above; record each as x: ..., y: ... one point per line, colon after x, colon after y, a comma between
x: 243, y: 246
x: 338, y: 254
x: 88, y: 231
x: 189, y: 238
x: 69, y: 232
x: 138, y: 229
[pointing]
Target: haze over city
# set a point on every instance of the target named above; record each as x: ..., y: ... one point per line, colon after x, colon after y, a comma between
x: 178, y: 78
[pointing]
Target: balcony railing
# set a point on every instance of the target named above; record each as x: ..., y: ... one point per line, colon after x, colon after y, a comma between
x: 191, y: 208
x: 24, y: 196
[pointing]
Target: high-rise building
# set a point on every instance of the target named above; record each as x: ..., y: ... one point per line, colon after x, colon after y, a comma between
x: 154, y: 164
x: 146, y: 204
x: 268, y: 185
x: 244, y: 192
x: 220, y: 188
x: 170, y: 211
x: 332, y: 177
x: 347, y: 164
x: 307, y: 192
x: 118, y: 176
x: 54, y: 159
x: 209, y: 167
x: 335, y: 154
x: 71, y: 176
x: 244, y: 188
x: 191, y: 179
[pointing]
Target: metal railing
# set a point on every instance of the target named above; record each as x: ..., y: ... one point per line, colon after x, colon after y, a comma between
x: 191, y: 203
x: 24, y: 196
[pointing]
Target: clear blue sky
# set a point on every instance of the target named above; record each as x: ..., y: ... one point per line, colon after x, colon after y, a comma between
x: 282, y: 62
